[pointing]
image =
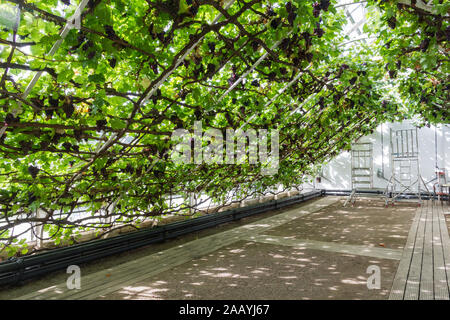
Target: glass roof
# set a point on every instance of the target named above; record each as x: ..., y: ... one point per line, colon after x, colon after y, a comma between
x: 356, y: 13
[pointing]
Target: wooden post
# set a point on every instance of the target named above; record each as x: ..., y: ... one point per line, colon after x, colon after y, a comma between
x: 192, y: 202
x: 39, y: 229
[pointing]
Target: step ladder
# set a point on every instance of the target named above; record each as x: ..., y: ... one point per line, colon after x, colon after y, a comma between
x: 361, y: 171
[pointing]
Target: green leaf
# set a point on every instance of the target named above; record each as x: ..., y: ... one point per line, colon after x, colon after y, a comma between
x: 118, y: 124
x: 96, y: 78
x: 65, y: 75
x: 183, y: 7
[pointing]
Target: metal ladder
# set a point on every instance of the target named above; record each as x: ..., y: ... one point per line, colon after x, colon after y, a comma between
x: 362, y: 165
x: 405, y: 168
x: 361, y: 169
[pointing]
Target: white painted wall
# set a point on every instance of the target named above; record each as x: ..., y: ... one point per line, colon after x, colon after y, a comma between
x: 434, y: 148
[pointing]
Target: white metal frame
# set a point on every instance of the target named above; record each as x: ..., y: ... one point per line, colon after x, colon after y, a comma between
x: 405, y: 168
x: 361, y: 170
x: 362, y: 165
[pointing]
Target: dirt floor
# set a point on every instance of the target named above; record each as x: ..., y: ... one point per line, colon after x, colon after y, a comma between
x: 249, y: 270
x: 367, y: 223
x: 57, y: 277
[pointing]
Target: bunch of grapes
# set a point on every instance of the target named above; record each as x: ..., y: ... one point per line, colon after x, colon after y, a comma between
x: 100, y: 124
x: 425, y: 44
x: 270, y: 12
x: 322, y: 103
x: 308, y: 40
x: 154, y: 68
x: 275, y: 23
x: 33, y: 171
x: 318, y: 6
x: 67, y: 145
x: 284, y: 44
x: 316, y: 9
x: 232, y: 79
x: 324, y: 4
x: 91, y: 55
x: 193, y: 10
x: 319, y: 31
x: 68, y: 107
x: 112, y: 62
x: 160, y: 36
x: 78, y: 134
x: 271, y: 76
x: 291, y: 12
x: 11, y: 119
x: 392, y: 22
x: 111, y: 34
x: 212, y: 47
x: 210, y: 70
x: 255, y: 46
x: 156, y: 96
x: 183, y: 94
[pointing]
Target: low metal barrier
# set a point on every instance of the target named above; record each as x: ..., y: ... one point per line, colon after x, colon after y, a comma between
x: 15, y: 270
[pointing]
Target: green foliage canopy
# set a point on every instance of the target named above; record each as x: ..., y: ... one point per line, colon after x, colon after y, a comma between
x: 90, y: 135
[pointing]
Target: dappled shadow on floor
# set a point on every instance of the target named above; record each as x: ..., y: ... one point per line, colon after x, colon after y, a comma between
x: 248, y: 270
x: 368, y: 223
x: 447, y: 218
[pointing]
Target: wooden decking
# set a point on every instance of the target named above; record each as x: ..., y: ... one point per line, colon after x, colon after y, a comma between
x: 424, y: 269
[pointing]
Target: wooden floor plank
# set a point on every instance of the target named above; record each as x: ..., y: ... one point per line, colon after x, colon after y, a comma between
x: 441, y: 291
x: 415, y: 270
x: 426, y: 278
x: 446, y: 207
x: 424, y: 266
x: 445, y: 243
x: 401, y: 276
x: 96, y: 284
